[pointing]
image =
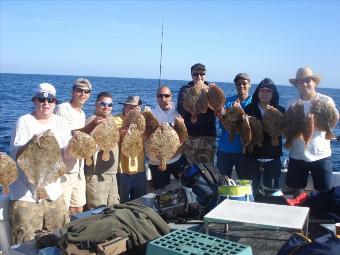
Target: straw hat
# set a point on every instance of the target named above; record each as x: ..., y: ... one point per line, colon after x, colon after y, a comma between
x: 305, y: 73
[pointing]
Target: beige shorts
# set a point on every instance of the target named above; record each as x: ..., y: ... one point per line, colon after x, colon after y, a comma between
x: 102, y: 190
x: 27, y: 217
x: 74, y: 187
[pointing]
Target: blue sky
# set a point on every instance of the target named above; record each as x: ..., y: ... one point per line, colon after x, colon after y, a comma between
x: 122, y: 38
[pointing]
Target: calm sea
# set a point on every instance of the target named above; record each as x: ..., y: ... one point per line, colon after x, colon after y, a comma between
x: 16, y: 94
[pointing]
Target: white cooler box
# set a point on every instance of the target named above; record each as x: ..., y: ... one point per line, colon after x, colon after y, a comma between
x: 5, y: 224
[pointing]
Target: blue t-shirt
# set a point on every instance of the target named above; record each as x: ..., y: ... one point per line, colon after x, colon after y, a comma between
x: 224, y: 144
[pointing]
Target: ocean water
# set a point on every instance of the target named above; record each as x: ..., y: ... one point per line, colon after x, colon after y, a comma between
x: 16, y: 93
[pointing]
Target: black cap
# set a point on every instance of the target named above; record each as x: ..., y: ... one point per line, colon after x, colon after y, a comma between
x: 198, y: 66
x: 241, y: 75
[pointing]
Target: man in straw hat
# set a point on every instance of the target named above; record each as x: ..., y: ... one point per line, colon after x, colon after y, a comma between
x: 316, y: 156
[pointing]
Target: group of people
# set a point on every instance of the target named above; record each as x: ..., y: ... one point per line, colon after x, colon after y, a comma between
x: 117, y: 180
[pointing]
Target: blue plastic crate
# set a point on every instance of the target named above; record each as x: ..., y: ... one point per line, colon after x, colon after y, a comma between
x: 187, y: 242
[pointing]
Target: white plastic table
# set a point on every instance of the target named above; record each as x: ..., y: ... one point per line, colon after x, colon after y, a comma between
x: 272, y: 216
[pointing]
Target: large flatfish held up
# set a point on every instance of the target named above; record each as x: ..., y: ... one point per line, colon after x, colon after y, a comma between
x: 41, y: 160
x: 293, y: 123
x: 132, y: 144
x: 196, y: 101
x: 245, y: 132
x: 135, y: 116
x: 271, y: 123
x: 8, y: 171
x: 151, y: 122
x: 216, y: 97
x: 82, y: 146
x: 163, y: 144
x: 325, y: 117
x: 256, y: 133
x: 232, y: 119
x: 106, y: 136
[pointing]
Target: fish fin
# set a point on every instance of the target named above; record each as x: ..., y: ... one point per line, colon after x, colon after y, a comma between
x: 329, y: 135
x: 41, y: 193
x: 106, y: 156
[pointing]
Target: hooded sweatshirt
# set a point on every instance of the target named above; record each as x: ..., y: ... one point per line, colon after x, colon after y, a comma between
x: 266, y: 150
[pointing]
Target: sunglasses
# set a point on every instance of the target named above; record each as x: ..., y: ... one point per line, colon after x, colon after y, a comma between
x: 266, y: 90
x: 163, y: 95
x: 49, y: 100
x: 244, y: 83
x: 104, y: 104
x: 79, y: 90
x: 197, y: 74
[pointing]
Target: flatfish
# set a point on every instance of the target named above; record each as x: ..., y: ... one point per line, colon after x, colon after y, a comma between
x: 245, y: 132
x: 232, y: 119
x: 196, y: 101
x: 8, y: 171
x: 106, y: 136
x: 135, y: 116
x: 271, y: 123
x: 256, y: 133
x: 216, y: 97
x: 293, y: 123
x: 82, y: 146
x: 151, y: 122
x: 325, y: 117
x: 41, y: 160
x: 132, y: 144
x: 163, y: 144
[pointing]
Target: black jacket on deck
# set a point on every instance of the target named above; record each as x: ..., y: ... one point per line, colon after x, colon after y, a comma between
x: 266, y: 150
x: 206, y: 122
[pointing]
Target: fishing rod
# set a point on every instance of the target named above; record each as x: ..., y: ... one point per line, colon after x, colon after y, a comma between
x: 160, y: 60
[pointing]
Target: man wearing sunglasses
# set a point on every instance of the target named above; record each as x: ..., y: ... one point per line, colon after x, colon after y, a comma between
x: 229, y: 153
x: 201, y: 143
x: 29, y: 213
x: 165, y: 112
x: 101, y: 180
x: 74, y: 182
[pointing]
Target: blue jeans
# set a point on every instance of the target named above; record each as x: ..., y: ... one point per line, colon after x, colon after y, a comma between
x: 321, y: 171
x: 226, y: 161
x: 131, y: 186
x: 271, y: 173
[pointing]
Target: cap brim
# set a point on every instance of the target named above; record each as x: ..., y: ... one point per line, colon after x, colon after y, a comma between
x: 316, y: 78
x: 44, y: 95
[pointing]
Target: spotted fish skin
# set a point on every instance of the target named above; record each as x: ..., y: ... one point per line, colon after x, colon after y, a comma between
x: 151, y: 122
x: 232, y: 119
x: 326, y: 116
x: 196, y: 101
x: 132, y: 143
x: 41, y: 160
x: 293, y: 123
x: 163, y: 144
x: 82, y: 146
x: 216, y: 97
x: 8, y: 171
x: 135, y: 116
x: 271, y: 123
x: 257, y: 133
x: 245, y: 132
x: 106, y: 136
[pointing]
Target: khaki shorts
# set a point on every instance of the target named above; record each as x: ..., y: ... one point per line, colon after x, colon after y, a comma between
x: 27, y: 217
x: 102, y: 190
x: 200, y: 149
x: 74, y: 190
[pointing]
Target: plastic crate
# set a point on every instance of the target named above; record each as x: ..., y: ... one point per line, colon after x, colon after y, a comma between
x: 187, y: 242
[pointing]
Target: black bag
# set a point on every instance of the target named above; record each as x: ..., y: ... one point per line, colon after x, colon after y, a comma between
x: 300, y: 245
x: 179, y: 205
x: 204, y: 179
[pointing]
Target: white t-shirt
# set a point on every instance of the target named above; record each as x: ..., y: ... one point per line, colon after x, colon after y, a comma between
x: 75, y: 119
x: 163, y: 117
x: 27, y: 126
x: 318, y: 147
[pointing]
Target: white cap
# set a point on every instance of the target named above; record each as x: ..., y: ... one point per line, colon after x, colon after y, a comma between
x: 45, y: 90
